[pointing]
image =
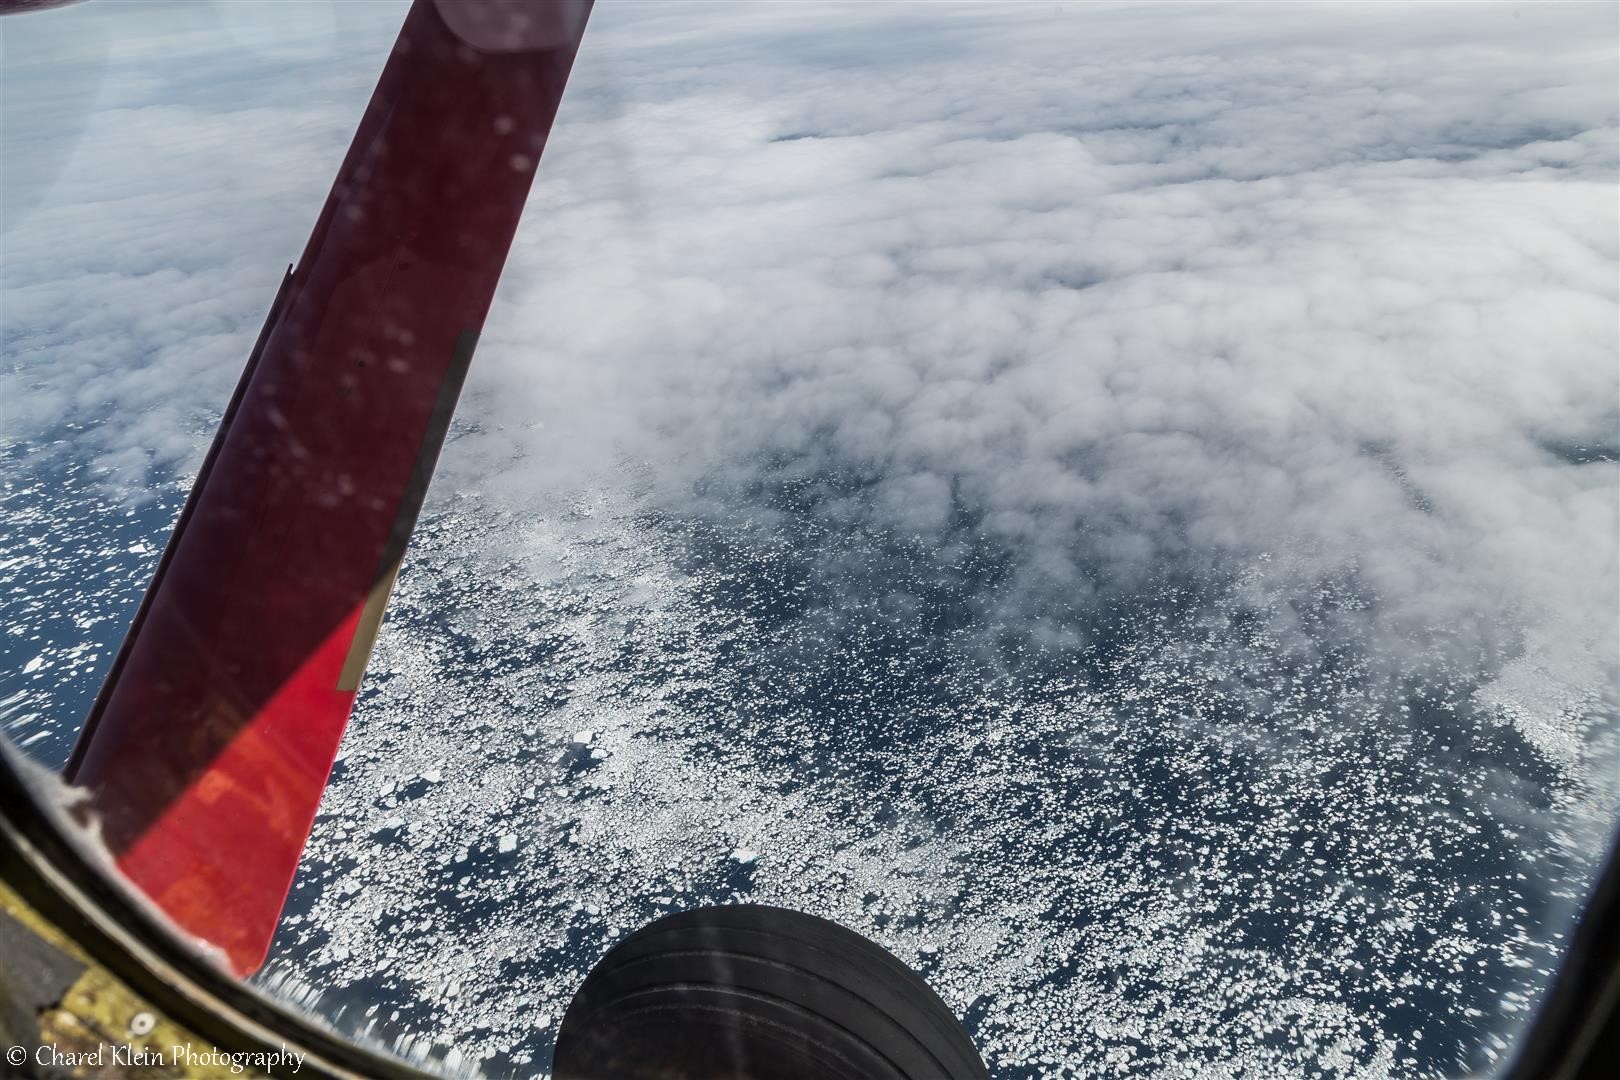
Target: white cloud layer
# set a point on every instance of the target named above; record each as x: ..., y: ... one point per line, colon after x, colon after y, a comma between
x: 1145, y: 290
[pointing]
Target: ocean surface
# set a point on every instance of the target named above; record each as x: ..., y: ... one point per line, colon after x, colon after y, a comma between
x: 1170, y: 838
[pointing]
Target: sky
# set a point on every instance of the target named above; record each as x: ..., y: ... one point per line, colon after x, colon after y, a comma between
x: 1306, y: 314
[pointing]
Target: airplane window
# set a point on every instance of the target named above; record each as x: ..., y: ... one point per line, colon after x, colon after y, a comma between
x: 1115, y: 505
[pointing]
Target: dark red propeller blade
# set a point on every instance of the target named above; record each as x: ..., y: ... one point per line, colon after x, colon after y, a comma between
x: 208, y: 749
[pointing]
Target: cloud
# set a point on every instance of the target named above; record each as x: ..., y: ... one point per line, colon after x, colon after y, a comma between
x: 1144, y: 304
x: 149, y: 221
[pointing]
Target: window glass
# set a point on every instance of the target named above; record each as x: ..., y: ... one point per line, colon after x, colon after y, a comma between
x: 1117, y: 505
